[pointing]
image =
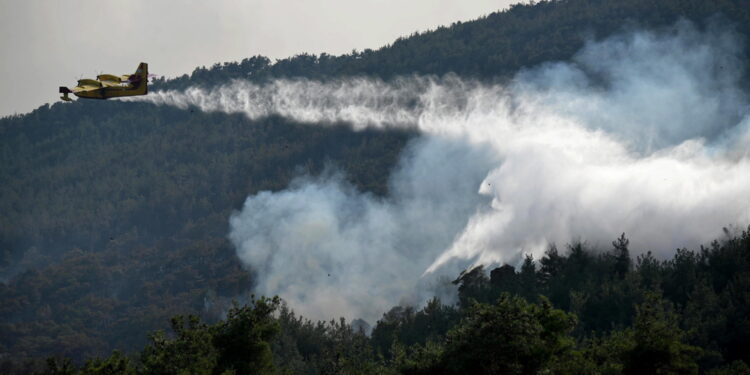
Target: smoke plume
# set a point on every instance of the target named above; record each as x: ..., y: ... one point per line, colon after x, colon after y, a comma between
x: 645, y: 133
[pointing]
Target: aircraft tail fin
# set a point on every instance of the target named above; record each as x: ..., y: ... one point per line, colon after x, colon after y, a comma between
x: 142, y: 70
x: 139, y: 79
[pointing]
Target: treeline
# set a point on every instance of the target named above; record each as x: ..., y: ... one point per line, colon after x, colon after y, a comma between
x: 582, y: 311
x: 489, y: 48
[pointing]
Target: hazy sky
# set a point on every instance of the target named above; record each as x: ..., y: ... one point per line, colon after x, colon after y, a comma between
x: 46, y: 44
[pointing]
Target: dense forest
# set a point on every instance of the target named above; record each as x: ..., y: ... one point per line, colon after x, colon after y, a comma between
x: 577, y: 311
x: 113, y: 219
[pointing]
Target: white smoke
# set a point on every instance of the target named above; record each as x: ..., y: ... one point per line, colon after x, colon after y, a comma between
x: 645, y: 133
x: 329, y: 250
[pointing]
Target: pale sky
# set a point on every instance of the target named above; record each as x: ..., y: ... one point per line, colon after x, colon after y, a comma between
x: 50, y: 43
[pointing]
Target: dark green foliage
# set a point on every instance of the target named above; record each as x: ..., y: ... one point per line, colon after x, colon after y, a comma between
x: 241, y: 344
x: 190, y: 351
x: 60, y: 367
x: 659, y: 347
x: 406, y: 327
x: 700, y: 320
x: 510, y: 336
x: 334, y: 347
x: 621, y: 256
x: 473, y: 285
x: 648, y: 331
x: 243, y: 339
x: 734, y: 368
x: 117, y: 363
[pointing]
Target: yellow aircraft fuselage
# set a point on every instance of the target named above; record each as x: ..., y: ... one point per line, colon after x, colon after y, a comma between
x: 107, y: 86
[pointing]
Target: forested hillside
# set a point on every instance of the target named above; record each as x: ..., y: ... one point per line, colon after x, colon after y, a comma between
x: 113, y: 218
x: 123, y: 221
x: 577, y: 311
x: 493, y: 47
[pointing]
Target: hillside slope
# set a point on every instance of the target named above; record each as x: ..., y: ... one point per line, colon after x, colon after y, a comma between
x: 492, y: 47
x: 116, y: 213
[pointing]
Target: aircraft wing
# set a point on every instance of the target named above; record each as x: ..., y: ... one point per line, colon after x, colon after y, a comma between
x: 85, y: 88
x: 110, y: 83
x: 87, y: 85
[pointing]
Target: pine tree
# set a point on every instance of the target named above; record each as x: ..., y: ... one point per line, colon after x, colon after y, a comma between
x: 621, y: 256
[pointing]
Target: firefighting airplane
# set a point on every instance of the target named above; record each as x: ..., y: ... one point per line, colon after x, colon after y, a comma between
x: 110, y: 86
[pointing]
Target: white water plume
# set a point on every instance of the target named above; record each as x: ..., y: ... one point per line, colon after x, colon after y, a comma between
x: 645, y: 133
